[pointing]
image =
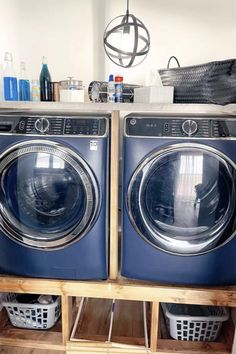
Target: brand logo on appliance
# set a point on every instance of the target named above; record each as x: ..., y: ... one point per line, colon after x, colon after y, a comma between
x: 93, y: 145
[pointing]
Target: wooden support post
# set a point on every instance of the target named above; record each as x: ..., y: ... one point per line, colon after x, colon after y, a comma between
x: 66, y: 303
x: 114, y: 192
x: 234, y: 344
x: 154, y: 326
x: 233, y: 314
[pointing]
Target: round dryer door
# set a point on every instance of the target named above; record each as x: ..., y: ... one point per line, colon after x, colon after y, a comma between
x: 48, y: 194
x: 182, y: 199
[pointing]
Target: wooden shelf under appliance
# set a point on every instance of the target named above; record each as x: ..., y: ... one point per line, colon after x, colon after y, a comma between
x: 21, y: 337
x: 126, y: 329
x: 121, y: 289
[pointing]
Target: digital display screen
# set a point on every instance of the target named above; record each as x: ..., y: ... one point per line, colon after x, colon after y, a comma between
x: 224, y: 128
x: 85, y: 126
x: 147, y: 127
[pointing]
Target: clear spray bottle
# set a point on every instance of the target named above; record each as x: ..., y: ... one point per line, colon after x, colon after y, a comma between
x: 9, y: 79
x: 24, y: 84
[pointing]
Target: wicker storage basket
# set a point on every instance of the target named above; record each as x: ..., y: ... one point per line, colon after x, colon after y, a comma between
x: 213, y: 82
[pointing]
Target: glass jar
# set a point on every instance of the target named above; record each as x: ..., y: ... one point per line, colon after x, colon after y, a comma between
x: 71, y: 90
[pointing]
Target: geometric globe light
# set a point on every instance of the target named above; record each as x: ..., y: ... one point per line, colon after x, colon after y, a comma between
x: 126, y: 40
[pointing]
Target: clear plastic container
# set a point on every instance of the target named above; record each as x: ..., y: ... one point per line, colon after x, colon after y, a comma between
x: 71, y: 90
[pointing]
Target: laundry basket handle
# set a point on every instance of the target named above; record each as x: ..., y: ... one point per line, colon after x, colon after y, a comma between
x: 173, y: 57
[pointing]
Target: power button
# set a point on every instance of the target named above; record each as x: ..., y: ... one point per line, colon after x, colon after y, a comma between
x: 133, y: 121
x: 166, y: 127
x: 22, y: 125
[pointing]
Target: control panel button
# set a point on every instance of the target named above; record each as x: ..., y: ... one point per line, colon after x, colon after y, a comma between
x: 22, y: 125
x: 133, y: 121
x: 42, y: 125
x: 166, y: 127
x: 189, y: 127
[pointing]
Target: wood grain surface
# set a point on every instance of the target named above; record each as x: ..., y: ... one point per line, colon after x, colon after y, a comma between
x: 14, y: 350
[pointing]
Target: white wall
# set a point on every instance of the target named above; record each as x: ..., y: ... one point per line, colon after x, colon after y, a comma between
x: 196, y: 31
x: 62, y: 30
x: 70, y: 33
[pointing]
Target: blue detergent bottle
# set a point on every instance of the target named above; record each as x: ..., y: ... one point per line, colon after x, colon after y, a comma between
x: 9, y: 79
x: 45, y: 82
x: 1, y: 82
x: 24, y: 84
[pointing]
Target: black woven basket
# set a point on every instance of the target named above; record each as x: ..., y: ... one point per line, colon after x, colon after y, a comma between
x: 213, y: 82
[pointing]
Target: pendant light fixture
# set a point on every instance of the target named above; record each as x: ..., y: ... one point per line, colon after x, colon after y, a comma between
x: 126, y: 40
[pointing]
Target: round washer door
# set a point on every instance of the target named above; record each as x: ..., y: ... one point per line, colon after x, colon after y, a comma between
x: 182, y: 199
x: 48, y: 194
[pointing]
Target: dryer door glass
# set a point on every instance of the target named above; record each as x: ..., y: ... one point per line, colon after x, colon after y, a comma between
x: 183, y: 200
x: 49, y: 196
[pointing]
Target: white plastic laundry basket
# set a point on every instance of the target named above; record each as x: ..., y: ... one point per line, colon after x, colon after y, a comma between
x: 194, y: 322
x: 34, y: 316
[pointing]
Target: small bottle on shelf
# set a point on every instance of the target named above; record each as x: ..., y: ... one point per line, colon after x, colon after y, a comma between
x: 111, y: 90
x: 45, y: 82
x: 35, y: 91
x: 24, y: 84
x: 1, y: 82
x: 119, y: 88
x: 9, y: 79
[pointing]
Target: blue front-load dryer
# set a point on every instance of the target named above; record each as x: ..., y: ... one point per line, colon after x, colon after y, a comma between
x: 179, y: 199
x: 54, y: 196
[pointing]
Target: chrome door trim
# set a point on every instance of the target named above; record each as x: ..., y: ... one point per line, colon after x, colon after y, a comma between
x: 141, y: 166
x: 87, y: 178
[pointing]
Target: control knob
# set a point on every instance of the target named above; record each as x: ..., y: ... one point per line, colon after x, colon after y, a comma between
x: 189, y: 127
x: 42, y: 125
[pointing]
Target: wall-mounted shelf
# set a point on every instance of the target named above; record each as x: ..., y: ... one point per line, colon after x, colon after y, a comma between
x: 167, y: 109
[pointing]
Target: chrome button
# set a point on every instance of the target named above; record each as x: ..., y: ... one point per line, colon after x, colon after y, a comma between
x: 189, y: 127
x: 42, y: 125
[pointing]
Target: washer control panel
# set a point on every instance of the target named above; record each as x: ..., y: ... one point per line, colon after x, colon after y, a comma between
x: 190, y: 127
x: 56, y: 125
x: 168, y: 127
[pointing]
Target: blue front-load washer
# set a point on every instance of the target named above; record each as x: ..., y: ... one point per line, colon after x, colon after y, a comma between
x: 54, y: 195
x: 179, y: 199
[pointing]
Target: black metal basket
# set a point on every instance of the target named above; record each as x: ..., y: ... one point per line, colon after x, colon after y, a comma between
x: 213, y: 82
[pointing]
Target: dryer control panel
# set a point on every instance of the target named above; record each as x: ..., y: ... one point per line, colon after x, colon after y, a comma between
x: 188, y: 127
x: 54, y: 125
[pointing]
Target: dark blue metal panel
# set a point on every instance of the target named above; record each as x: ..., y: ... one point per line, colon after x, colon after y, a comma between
x: 140, y: 260
x: 85, y: 259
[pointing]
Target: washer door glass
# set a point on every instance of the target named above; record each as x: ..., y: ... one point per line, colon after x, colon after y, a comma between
x: 49, y: 196
x: 183, y: 199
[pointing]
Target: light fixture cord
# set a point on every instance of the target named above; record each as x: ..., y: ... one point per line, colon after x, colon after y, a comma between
x: 127, y: 10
